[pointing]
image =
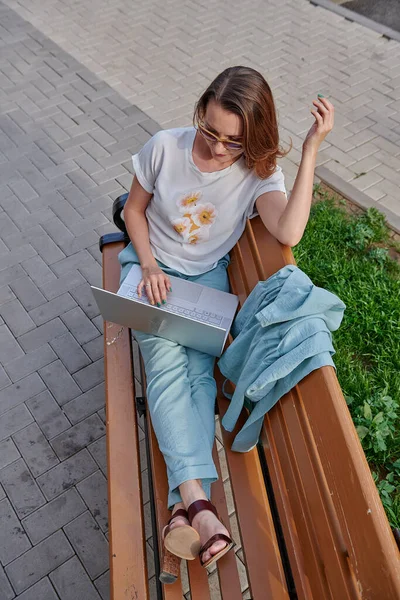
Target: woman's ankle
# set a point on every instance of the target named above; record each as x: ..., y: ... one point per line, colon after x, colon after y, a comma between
x: 191, y: 491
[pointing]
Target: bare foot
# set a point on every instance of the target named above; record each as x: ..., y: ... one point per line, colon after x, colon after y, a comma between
x: 207, y: 525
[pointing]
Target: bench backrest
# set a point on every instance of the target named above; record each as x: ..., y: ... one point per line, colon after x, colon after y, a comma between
x: 337, y: 534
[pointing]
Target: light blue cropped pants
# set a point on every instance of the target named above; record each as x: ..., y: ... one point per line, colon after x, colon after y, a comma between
x: 181, y: 393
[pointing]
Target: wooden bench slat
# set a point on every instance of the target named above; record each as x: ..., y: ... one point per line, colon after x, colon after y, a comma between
x: 309, y: 506
x: 289, y: 523
x: 316, y: 497
x: 257, y: 531
x: 198, y: 579
x: 128, y: 572
x: 363, y: 521
x: 227, y: 568
x: 160, y: 489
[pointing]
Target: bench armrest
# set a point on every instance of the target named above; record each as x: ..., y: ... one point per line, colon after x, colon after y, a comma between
x: 118, y: 207
x: 122, y: 234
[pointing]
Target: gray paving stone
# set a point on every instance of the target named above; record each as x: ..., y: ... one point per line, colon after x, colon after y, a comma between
x: 38, y: 271
x: 66, y: 283
x: 21, y: 488
x: 27, y: 293
x: 99, y: 452
x: 102, y: 414
x: 8, y: 452
x: 35, y: 449
x: 23, y: 190
x: 75, y: 196
x: 42, y: 590
x: 84, y: 297
x: 89, y: 543
x: 53, y: 515
x: 93, y: 490
x: 102, y: 137
x: 7, y: 226
x: 39, y: 561
x: 95, y: 150
x: 48, y: 414
x: 54, y: 308
x: 59, y: 382
x: 70, y: 352
x: 85, y: 240
x: 66, y: 474
x: 71, y: 582
x: 9, y: 347
x: 4, y: 378
x: 16, y: 317
x: 14, y: 420
x: 110, y: 187
x: 46, y: 247
x: 6, y: 591
x: 79, y: 325
x: 42, y: 334
x: 91, y: 375
x: 6, y: 294
x: 71, y: 263
x: 103, y: 585
x: 11, y: 274
x: 95, y: 348
x: 77, y: 437
x: 98, y: 321
x: 86, y: 404
x: 13, y: 539
x: 31, y: 362
x: 17, y: 393
x: 2, y: 492
x: 17, y: 255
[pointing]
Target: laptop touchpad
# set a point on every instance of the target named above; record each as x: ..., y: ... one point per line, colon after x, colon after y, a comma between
x: 188, y: 293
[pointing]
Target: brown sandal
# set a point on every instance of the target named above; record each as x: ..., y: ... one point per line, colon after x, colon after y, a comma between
x: 193, y: 510
x: 182, y: 541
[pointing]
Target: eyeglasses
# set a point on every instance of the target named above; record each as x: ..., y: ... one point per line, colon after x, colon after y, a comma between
x: 211, y: 137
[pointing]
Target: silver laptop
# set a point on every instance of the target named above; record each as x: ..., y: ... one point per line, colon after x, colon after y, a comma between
x: 195, y: 315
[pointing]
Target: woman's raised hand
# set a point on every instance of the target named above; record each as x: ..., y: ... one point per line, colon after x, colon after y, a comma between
x: 156, y: 285
x: 323, y: 114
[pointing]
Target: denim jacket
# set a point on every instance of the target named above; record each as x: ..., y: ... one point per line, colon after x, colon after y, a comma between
x: 281, y: 334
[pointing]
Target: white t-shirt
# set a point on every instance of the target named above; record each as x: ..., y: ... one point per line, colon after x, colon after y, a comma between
x: 195, y: 218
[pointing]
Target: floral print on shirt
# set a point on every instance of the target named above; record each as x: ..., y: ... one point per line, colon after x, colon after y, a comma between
x: 196, y: 220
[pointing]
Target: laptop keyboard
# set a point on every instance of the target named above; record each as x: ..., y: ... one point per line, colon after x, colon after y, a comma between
x: 199, y: 315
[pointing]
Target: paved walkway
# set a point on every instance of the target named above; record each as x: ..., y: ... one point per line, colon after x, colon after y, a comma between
x: 65, y: 144
x: 161, y: 55
x: 82, y: 87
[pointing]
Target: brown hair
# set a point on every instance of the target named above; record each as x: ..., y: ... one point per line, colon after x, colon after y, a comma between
x: 244, y: 92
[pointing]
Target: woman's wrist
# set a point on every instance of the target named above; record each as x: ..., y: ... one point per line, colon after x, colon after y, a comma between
x: 149, y: 263
x: 309, y: 151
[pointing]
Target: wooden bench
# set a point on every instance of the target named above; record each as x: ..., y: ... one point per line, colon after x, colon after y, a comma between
x: 310, y: 520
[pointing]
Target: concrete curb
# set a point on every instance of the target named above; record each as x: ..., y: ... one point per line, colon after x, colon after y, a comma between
x: 354, y: 195
x: 360, y: 19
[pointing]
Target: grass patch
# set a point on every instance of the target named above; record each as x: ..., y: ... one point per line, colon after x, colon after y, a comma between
x: 352, y: 254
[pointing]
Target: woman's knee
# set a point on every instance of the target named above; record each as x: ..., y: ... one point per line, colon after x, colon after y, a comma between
x: 159, y: 353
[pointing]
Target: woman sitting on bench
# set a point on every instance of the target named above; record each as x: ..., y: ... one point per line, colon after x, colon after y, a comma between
x: 194, y: 188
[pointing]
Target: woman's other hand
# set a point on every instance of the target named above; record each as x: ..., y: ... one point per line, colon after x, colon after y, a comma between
x: 156, y: 285
x: 324, y: 116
